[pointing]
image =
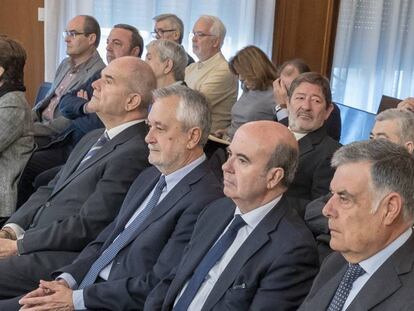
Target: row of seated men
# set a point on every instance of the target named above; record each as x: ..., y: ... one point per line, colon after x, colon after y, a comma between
x: 265, y: 259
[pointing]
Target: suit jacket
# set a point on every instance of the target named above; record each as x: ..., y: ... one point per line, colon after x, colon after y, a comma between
x: 272, y: 270
x: 77, y: 204
x: 389, y: 288
x: 156, y: 246
x: 16, y: 146
x: 314, y: 172
x: 93, y: 65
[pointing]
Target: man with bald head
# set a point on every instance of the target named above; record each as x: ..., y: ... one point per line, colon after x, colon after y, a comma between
x: 251, y: 249
x: 60, y: 219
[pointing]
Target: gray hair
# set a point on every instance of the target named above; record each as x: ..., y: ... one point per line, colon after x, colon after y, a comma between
x: 175, y: 22
x: 287, y: 157
x: 217, y: 27
x: 392, y: 169
x: 170, y: 50
x: 193, y: 108
x: 404, y: 119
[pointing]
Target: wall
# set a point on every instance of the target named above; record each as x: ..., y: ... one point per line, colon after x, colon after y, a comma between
x: 18, y: 19
x: 306, y: 29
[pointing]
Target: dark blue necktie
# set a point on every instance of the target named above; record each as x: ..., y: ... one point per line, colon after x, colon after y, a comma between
x: 121, y: 241
x: 353, y: 272
x: 95, y: 148
x: 208, y: 262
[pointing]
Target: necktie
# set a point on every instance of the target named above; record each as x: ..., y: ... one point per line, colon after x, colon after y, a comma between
x: 120, y: 242
x: 94, y: 149
x: 353, y: 272
x: 208, y: 262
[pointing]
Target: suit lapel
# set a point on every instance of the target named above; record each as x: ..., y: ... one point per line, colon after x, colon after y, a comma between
x: 256, y: 240
x: 107, y: 149
x: 171, y: 199
x: 401, y: 262
x: 307, y: 142
x: 198, y: 248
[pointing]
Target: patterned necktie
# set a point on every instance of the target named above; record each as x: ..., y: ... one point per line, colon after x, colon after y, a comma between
x: 208, y: 262
x: 95, y: 148
x: 121, y: 241
x: 353, y: 272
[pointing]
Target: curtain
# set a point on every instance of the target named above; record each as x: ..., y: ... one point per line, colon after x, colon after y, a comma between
x: 373, y: 52
x: 247, y: 21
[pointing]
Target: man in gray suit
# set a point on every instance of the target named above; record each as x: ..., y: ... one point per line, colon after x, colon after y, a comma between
x: 60, y: 219
x: 370, y: 220
x: 82, y: 37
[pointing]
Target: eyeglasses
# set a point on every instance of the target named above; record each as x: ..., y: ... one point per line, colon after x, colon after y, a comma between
x: 160, y: 32
x: 73, y: 33
x: 200, y: 34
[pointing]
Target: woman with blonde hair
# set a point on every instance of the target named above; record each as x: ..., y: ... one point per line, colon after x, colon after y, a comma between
x: 256, y: 74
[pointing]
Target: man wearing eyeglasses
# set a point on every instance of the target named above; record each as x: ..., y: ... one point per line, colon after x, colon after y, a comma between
x: 211, y: 74
x: 170, y: 27
x: 82, y: 37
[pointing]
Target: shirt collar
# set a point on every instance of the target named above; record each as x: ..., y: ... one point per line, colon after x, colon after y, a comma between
x: 372, y: 264
x: 254, y: 217
x: 297, y: 135
x: 118, y: 129
x: 175, y: 177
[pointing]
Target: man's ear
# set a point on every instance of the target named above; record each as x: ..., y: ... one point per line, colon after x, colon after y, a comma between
x: 329, y: 109
x: 92, y: 38
x: 274, y: 176
x: 409, y: 145
x: 168, y: 66
x: 393, y: 207
x: 2, y: 70
x: 193, y: 137
x: 133, y: 101
x: 135, y: 51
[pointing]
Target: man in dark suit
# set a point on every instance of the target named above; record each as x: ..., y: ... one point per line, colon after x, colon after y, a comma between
x: 310, y: 104
x: 270, y: 260
x: 123, y: 40
x: 60, y: 219
x: 179, y: 123
x: 370, y: 220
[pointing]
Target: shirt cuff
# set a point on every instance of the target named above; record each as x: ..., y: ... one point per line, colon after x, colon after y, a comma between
x: 19, y: 231
x: 69, y: 279
x: 77, y: 299
x: 281, y: 114
x: 84, y: 108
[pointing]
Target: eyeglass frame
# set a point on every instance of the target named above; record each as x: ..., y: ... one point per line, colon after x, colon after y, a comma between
x: 73, y: 33
x: 161, y: 32
x: 200, y: 34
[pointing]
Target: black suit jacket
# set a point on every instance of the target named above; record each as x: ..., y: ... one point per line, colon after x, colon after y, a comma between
x: 389, y: 288
x: 77, y: 204
x: 156, y: 247
x: 314, y: 172
x: 272, y: 270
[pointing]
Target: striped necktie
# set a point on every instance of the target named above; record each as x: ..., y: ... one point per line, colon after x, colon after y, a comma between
x: 95, y: 148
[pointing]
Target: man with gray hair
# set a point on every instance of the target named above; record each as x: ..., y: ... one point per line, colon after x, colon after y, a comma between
x: 147, y: 238
x: 170, y: 27
x: 395, y: 125
x: 370, y: 219
x: 211, y: 74
x: 168, y: 61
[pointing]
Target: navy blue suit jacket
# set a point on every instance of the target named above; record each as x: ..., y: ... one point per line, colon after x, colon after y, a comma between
x: 272, y: 270
x: 156, y: 247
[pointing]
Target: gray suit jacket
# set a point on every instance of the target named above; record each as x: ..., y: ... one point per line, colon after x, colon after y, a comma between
x: 60, y: 123
x: 16, y: 146
x: 389, y: 288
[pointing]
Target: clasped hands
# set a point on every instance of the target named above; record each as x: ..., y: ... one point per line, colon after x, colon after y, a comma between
x: 50, y: 296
